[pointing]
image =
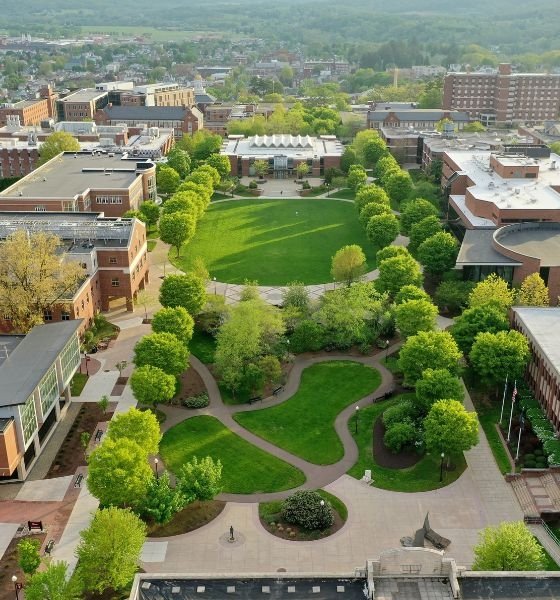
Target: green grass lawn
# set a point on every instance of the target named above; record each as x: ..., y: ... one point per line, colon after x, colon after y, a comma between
x: 488, y: 417
x: 151, y: 245
x: 274, y: 242
x: 220, y: 196
x: 303, y: 425
x: 203, y: 346
x: 423, y: 476
x: 344, y: 193
x: 246, y: 468
x: 77, y: 384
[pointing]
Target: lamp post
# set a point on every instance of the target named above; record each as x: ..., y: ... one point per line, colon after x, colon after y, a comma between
x: 156, y: 462
x: 386, y: 350
x: 357, y: 412
x: 214, y: 279
x: 441, y: 468
x: 17, y: 586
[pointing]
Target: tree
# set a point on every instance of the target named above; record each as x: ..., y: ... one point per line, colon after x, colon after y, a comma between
x: 183, y: 290
x: 414, y: 212
x: 302, y: 169
x: 261, y: 168
x: 414, y: 316
x: 54, y: 583
x: 428, y: 349
x: 385, y: 167
x: 372, y: 210
x: 398, y: 186
x: 184, y: 202
x: 371, y: 193
x: 399, y: 436
x: 140, y: 426
x: 495, y: 355
x: 295, y: 296
x: 177, y: 229
x: 174, y: 320
x: 449, y: 428
x: 348, y: 264
x: 152, y: 386
x: 438, y: 253
x: 103, y: 403
x: 533, y: 292
x: 307, y: 509
x: 493, y: 290
x: 396, y: 272
x: 162, y: 350
x: 361, y: 140
x: 200, y: 479
x: 220, y: 163
x: 180, y: 161
x: 167, y: 180
x: 373, y: 150
x: 163, y: 501
x: 118, y: 473
x: 149, y: 212
x: 34, y: 276
x: 348, y: 159
x: 202, y: 177
x: 357, y: 177
x: 421, y: 231
x: 210, y: 170
x: 109, y: 549
x: 308, y: 336
x: 201, y: 144
x: 474, y: 127
x: 411, y: 292
x: 453, y: 296
x: 57, y: 142
x: 29, y: 558
x: 391, y: 252
x: 437, y: 384
x: 486, y: 318
x: 508, y: 547
x: 382, y: 230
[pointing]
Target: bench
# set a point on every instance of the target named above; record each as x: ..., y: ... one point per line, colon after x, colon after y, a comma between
x: 78, y: 481
x: 255, y: 399
x: 276, y: 391
x: 49, y: 547
x: 385, y: 396
x: 98, y: 435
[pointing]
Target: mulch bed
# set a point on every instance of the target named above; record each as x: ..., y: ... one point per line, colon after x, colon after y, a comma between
x: 119, y: 386
x: 191, y: 385
x: 9, y: 566
x: 284, y: 530
x: 192, y: 517
x: 384, y: 457
x: 71, y: 454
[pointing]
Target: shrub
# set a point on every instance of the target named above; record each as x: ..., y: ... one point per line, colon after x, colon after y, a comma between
x: 308, y: 336
x: 399, y: 435
x: 530, y: 464
x: 538, y: 452
x: 399, y: 413
x: 306, y: 185
x: 198, y: 401
x: 529, y: 457
x: 304, y: 508
x: 253, y: 185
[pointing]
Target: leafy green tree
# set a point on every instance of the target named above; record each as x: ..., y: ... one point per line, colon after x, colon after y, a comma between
x: 54, y: 583
x: 202, y: 177
x: 348, y: 159
x: 118, y: 473
x: 304, y: 508
x: 396, y: 272
x: 492, y: 290
x: 486, y: 318
x: 140, y: 426
x: 302, y: 170
x: 361, y: 140
x: 414, y: 212
x: 372, y: 210
x: 308, y: 336
x: 174, y: 320
x: 57, y: 142
x: 184, y: 202
x: 385, y: 167
x: 152, y: 386
x: 391, y: 252
x: 261, y: 168
x: 411, y: 292
x: 431, y: 98
x: 162, y: 501
x: 295, y: 299
x: 414, y: 316
x: 449, y: 428
x: 201, y: 144
x: 533, y: 292
x: 177, y: 229
x: 103, y: 403
x: 180, y: 161
x: 508, y: 547
x: 438, y: 253
x: 373, y: 150
x: 203, y: 194
x: 200, y: 479
x: 421, y: 231
x: 555, y: 147
x: 213, y: 172
x: 357, y: 177
x: 453, y: 296
x: 371, y: 193
x: 437, y: 384
x: 382, y: 230
x: 220, y: 163
x: 109, y: 550
x: 399, y: 436
x: 348, y: 264
x: 167, y: 180
x: 474, y: 127
x: 29, y: 558
x: 428, y: 349
x: 162, y: 350
x: 493, y: 355
x: 398, y: 186
x: 149, y: 212
x: 183, y: 290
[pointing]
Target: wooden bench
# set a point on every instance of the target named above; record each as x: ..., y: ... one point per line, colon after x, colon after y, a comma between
x: 49, y: 547
x: 255, y: 399
x: 79, y: 479
x: 276, y: 391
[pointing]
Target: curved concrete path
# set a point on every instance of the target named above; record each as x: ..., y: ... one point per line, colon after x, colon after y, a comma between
x: 317, y: 476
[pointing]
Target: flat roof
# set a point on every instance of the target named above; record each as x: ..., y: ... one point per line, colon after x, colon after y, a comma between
x: 477, y: 249
x: 541, y: 587
x: 458, y: 202
x: 69, y: 175
x: 265, y: 146
x: 539, y: 240
x: 8, y: 344
x: 85, y: 95
x: 24, y: 368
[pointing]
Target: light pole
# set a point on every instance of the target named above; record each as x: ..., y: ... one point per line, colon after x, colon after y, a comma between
x: 357, y: 412
x: 214, y: 279
x: 386, y: 350
x: 17, y: 586
x: 441, y: 467
x: 156, y: 462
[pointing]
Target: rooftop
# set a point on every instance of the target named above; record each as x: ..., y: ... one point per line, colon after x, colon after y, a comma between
x: 418, y: 114
x: 8, y: 344
x: 477, y: 249
x: 137, y: 113
x: 266, y: 146
x: 538, y: 240
x: 543, y: 587
x: 24, y: 368
x: 85, y: 95
x: 70, y: 175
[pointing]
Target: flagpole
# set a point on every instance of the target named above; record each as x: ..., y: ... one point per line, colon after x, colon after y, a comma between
x: 511, y: 413
x: 521, y: 424
x: 503, y: 400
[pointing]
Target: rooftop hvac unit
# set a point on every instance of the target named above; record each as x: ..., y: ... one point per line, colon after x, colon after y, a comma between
x: 553, y: 165
x: 517, y: 191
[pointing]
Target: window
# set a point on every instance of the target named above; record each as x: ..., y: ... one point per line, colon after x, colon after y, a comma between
x: 112, y: 260
x: 48, y: 389
x: 70, y: 359
x: 65, y: 316
x: 28, y: 419
x: 40, y: 208
x: 47, y: 315
x: 115, y: 282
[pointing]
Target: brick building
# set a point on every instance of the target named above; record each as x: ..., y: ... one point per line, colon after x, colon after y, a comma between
x: 283, y: 153
x: 30, y: 112
x: 503, y: 97
x: 412, y: 117
x: 17, y: 158
x: 112, y: 252
x: 84, y: 182
x: 81, y: 105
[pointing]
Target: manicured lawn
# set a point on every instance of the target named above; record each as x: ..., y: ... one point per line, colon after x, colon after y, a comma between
x: 220, y: 196
x: 274, y: 242
x: 344, y: 193
x: 489, y: 415
x: 203, y: 346
x: 246, y: 468
x: 77, y: 384
x: 423, y: 476
x: 151, y: 245
x: 304, y: 424
x: 192, y: 517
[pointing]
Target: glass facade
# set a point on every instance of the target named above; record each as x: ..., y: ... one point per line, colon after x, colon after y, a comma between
x: 28, y: 418
x: 70, y: 359
x: 48, y: 388
x: 480, y: 272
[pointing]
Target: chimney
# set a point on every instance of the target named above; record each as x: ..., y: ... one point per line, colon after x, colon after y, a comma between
x: 504, y: 69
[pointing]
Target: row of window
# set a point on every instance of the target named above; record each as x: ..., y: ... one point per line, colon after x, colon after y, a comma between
x: 108, y: 200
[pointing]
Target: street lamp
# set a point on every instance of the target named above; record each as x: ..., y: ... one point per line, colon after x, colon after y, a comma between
x: 156, y: 462
x: 386, y: 350
x: 441, y: 468
x: 17, y: 586
x: 214, y: 279
x: 357, y: 411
